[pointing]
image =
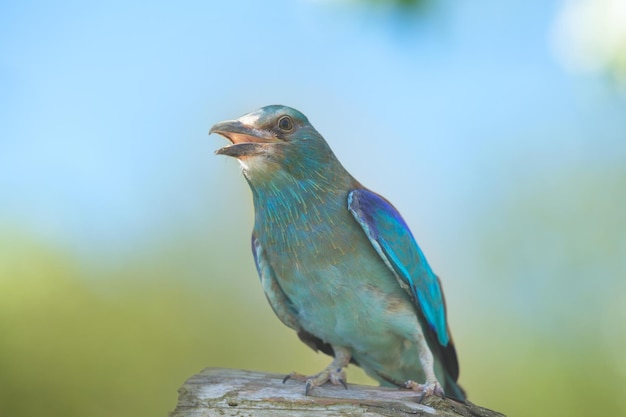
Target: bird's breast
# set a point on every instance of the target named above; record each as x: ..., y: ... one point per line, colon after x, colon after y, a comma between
x: 338, y: 285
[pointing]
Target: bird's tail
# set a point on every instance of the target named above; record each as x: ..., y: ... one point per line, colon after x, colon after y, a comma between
x: 453, y: 389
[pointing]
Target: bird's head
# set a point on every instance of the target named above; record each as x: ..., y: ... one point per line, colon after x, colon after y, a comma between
x: 276, y: 139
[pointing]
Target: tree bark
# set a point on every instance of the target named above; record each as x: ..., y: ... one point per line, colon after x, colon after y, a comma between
x: 232, y: 392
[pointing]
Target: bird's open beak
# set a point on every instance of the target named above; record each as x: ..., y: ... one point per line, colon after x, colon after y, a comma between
x: 246, y: 140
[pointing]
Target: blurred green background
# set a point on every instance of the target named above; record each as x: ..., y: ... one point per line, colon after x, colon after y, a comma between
x: 497, y: 128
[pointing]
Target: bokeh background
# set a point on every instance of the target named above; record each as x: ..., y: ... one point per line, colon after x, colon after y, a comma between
x: 497, y: 128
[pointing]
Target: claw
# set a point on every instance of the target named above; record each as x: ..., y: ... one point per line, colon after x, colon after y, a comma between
x: 334, y: 375
x: 296, y: 376
x: 421, y: 397
x: 333, y: 372
x: 425, y: 390
x: 343, y: 383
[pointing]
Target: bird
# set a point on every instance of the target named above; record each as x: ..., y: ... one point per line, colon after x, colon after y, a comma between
x: 337, y: 262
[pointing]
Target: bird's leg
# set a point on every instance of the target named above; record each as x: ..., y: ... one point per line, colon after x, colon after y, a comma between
x: 431, y: 386
x: 333, y: 372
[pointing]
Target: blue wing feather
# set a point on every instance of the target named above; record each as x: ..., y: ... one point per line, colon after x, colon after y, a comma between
x: 394, y: 242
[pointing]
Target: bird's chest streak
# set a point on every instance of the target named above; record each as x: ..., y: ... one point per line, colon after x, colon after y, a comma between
x: 329, y: 271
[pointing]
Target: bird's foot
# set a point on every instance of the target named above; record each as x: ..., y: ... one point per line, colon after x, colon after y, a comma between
x: 425, y: 390
x: 334, y: 374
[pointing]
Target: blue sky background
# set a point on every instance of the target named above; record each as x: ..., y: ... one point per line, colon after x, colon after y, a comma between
x: 106, y: 107
x: 509, y: 169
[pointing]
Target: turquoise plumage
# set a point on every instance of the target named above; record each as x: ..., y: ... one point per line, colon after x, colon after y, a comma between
x: 337, y: 262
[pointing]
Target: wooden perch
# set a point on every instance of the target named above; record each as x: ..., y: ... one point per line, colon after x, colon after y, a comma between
x: 232, y: 392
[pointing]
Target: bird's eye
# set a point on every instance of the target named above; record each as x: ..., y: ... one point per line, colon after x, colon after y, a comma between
x: 285, y: 124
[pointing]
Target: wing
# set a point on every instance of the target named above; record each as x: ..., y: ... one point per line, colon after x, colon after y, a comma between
x: 395, y: 244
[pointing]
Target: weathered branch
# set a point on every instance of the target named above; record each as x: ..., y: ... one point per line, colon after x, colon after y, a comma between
x: 231, y: 392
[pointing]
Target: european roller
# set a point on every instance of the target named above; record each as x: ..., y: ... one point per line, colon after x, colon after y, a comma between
x: 337, y: 262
